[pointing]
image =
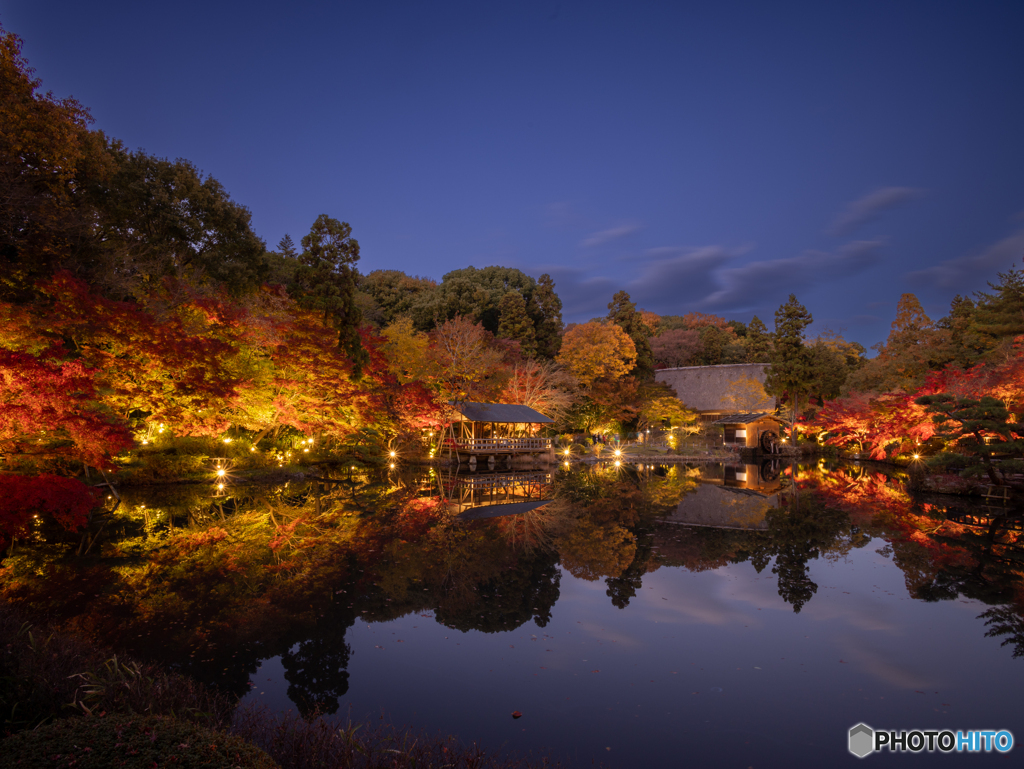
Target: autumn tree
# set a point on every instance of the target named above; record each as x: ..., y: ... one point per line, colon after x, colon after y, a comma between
x: 51, y: 410
x: 327, y: 275
x: 623, y: 313
x: 467, y: 367
x: 597, y: 350
x: 676, y: 347
x: 746, y: 395
x: 789, y: 373
x: 661, y: 408
x: 541, y: 385
x: 407, y: 351
x: 914, y: 347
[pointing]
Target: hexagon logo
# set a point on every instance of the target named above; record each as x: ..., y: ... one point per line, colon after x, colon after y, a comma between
x: 862, y: 740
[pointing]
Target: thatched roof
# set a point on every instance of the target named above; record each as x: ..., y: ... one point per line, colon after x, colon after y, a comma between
x: 705, y: 388
x: 743, y: 419
x: 499, y: 412
x: 721, y: 507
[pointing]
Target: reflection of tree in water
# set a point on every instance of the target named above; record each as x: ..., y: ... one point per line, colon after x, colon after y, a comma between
x: 527, y: 590
x: 316, y: 668
x: 622, y: 588
x: 1006, y: 621
x: 798, y: 533
x: 984, y: 562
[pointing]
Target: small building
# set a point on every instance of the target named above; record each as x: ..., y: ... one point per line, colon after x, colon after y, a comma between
x: 757, y: 430
x: 716, y: 391
x: 495, y: 429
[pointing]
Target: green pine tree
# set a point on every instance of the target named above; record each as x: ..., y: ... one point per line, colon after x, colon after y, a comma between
x: 1000, y: 314
x: 514, y: 323
x: 759, y: 342
x: 982, y: 429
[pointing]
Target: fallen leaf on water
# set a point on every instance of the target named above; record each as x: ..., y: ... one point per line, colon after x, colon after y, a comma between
x: 595, y: 671
x: 516, y: 714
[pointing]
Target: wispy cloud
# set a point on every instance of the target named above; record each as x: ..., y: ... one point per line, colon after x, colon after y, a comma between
x: 870, y: 207
x: 607, y: 236
x: 748, y: 284
x: 679, y: 276
x: 965, y: 270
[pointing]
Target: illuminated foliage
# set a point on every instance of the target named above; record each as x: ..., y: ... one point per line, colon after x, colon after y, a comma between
x: 597, y: 350
x: 24, y: 499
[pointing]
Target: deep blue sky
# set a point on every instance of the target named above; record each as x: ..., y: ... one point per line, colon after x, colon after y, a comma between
x: 703, y: 156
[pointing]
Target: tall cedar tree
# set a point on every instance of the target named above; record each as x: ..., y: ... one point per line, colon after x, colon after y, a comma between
x: 623, y: 313
x: 548, y: 323
x: 789, y: 373
x: 759, y: 342
x: 515, y: 324
x: 327, y: 277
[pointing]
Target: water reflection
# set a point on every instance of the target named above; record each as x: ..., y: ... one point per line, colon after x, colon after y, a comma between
x: 214, y: 581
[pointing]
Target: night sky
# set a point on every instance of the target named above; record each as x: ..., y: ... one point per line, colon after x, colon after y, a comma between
x: 709, y: 156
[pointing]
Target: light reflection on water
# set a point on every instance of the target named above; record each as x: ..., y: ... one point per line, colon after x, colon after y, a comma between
x: 635, y: 616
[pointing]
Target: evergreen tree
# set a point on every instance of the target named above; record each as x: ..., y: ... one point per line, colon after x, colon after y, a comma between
x: 623, y: 313
x: 547, y: 313
x: 965, y: 344
x: 286, y: 247
x: 983, y: 429
x: 759, y: 342
x: 1000, y: 314
x: 326, y: 277
x: 514, y: 323
x: 790, y: 371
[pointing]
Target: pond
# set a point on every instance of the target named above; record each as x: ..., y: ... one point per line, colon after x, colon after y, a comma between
x: 635, y: 616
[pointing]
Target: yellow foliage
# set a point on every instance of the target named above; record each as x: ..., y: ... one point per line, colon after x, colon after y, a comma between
x: 597, y: 350
x: 747, y: 395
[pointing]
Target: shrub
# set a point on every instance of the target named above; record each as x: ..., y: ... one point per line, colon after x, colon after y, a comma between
x: 46, y: 675
x: 129, y: 741
x: 296, y: 743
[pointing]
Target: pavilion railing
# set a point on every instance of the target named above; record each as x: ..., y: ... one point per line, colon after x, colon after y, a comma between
x: 501, y: 444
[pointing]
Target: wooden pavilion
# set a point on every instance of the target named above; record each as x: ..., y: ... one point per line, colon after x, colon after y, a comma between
x: 495, y: 429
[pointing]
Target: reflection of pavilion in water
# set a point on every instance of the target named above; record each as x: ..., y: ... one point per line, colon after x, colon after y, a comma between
x: 732, y: 497
x: 490, y: 495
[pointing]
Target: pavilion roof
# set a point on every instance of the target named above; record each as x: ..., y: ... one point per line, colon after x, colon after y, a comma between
x: 500, y: 412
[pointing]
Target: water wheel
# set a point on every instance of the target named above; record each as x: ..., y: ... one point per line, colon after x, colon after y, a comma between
x: 769, y: 442
x: 770, y: 470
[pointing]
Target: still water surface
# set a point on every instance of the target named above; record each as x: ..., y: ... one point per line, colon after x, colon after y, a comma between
x: 642, y: 616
